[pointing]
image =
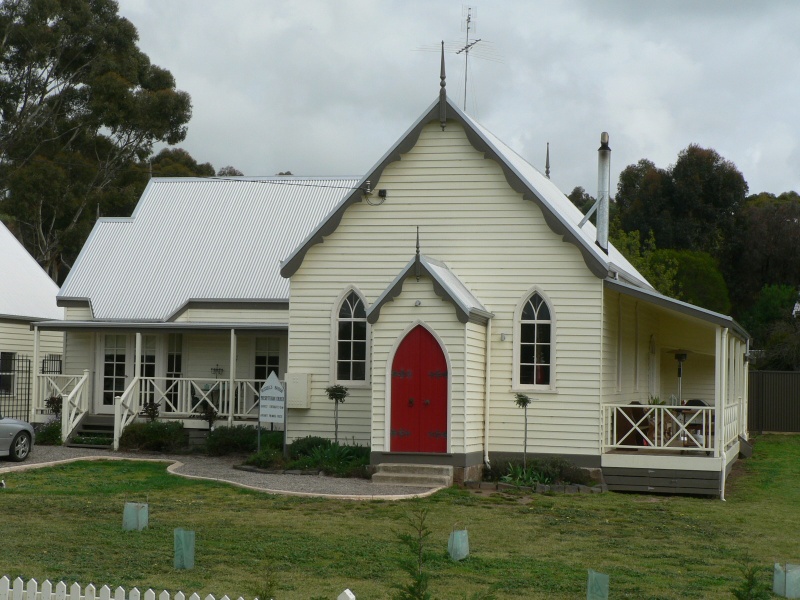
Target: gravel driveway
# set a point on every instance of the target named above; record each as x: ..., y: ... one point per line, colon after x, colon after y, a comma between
x: 222, y: 469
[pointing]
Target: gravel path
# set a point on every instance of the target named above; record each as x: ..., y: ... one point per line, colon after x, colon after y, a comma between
x: 222, y: 469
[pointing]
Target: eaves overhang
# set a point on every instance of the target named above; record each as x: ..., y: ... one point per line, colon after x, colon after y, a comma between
x: 678, y: 306
x: 446, y: 285
x: 155, y: 326
x: 556, y: 222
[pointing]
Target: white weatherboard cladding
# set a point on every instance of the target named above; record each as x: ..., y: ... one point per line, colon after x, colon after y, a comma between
x: 26, y: 291
x: 199, y: 239
x: 499, y: 246
x: 16, y: 336
x: 233, y: 315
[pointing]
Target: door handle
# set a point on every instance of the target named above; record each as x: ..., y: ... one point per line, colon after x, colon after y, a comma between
x: 411, y: 402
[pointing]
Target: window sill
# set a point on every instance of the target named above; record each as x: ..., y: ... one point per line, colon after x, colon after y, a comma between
x: 536, y: 389
x: 354, y: 385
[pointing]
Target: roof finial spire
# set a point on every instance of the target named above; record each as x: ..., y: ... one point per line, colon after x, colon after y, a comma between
x: 416, y: 259
x: 547, y: 162
x: 442, y: 94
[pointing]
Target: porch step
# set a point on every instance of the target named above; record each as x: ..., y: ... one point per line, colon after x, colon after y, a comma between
x: 413, y: 475
x: 98, y: 427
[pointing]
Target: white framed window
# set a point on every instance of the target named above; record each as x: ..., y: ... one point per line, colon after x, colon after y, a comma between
x: 7, y: 373
x: 534, y: 344
x: 351, y: 335
x: 267, y: 358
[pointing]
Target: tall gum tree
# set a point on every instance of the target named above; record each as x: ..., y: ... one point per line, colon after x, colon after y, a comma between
x: 80, y: 104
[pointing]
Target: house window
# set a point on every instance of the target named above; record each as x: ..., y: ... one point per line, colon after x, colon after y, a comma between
x: 174, y: 369
x: 535, y: 342
x: 148, y: 367
x: 351, y: 340
x: 7, y: 360
x: 114, y: 361
x: 268, y: 358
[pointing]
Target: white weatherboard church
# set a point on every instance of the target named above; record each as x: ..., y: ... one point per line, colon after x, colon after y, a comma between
x: 449, y: 278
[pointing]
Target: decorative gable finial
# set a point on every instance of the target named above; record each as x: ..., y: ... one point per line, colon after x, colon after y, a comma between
x: 442, y: 95
x: 417, y: 271
x: 547, y: 162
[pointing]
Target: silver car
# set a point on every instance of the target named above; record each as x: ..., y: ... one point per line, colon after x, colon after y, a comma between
x: 16, y: 438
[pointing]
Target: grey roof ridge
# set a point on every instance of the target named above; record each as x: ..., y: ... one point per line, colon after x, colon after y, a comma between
x: 518, y: 182
x: 329, y: 224
x: 442, y: 288
x: 189, y: 301
x: 678, y: 305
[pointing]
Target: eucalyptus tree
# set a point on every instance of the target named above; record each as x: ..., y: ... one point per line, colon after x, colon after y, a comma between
x: 80, y: 104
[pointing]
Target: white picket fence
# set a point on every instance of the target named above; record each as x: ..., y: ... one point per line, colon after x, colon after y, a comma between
x: 19, y: 590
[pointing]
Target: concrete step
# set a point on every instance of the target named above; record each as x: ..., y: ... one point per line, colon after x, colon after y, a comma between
x: 413, y: 475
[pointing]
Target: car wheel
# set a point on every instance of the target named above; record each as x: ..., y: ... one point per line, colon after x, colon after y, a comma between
x: 20, y: 447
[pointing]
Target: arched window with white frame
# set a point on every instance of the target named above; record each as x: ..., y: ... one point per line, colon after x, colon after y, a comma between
x: 535, y: 343
x: 351, y: 340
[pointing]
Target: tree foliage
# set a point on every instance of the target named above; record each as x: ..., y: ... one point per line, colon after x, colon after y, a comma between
x: 764, y: 249
x: 80, y: 106
x: 689, y: 206
x: 697, y: 279
x: 177, y: 162
x: 660, y: 270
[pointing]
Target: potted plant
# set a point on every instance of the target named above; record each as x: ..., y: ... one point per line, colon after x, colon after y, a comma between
x: 337, y: 393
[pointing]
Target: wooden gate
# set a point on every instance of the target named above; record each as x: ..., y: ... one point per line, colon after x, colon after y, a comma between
x: 419, y: 394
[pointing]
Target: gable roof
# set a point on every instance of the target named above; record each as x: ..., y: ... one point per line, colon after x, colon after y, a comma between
x: 200, y: 240
x: 561, y: 215
x: 26, y: 291
x: 446, y: 284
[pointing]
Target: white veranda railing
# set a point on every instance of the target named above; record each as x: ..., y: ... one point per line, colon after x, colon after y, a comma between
x: 669, y: 428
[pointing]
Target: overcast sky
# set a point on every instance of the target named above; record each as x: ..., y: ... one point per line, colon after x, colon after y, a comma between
x: 325, y: 87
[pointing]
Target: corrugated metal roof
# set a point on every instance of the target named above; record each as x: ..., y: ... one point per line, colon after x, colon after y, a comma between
x: 192, y: 239
x: 26, y: 291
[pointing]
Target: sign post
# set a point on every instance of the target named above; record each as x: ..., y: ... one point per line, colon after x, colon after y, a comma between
x: 272, y: 405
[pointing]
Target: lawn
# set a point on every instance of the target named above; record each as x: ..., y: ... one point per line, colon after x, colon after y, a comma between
x: 65, y: 523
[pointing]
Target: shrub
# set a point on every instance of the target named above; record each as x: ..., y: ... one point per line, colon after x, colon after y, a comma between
x: 49, y: 434
x: 241, y: 439
x: 151, y: 410
x: 54, y: 405
x: 268, y: 458
x: 157, y: 436
x: 335, y: 459
x: 539, y: 470
x: 304, y: 446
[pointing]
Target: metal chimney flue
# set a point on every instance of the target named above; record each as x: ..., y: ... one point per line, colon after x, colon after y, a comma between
x: 603, y: 192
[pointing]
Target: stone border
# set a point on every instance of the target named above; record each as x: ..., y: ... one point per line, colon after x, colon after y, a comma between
x: 540, y: 488
x: 172, y: 469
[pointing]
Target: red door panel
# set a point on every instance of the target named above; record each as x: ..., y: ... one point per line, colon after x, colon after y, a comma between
x: 419, y: 395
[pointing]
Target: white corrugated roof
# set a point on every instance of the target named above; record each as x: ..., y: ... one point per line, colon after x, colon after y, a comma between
x: 26, y: 291
x: 199, y: 239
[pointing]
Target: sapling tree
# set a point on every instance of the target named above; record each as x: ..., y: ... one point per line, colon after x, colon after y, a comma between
x: 523, y: 401
x: 337, y: 393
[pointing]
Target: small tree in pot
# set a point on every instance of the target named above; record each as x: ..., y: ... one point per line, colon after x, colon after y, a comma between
x: 337, y: 393
x: 523, y: 401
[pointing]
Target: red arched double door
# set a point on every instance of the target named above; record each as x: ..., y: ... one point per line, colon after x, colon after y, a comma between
x: 419, y: 394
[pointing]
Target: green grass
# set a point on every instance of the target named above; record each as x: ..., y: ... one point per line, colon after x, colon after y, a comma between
x: 65, y: 523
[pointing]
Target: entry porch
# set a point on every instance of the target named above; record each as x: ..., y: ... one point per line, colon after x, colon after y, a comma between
x: 196, y: 374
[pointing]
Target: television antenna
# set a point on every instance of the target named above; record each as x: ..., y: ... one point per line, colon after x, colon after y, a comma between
x: 468, y: 46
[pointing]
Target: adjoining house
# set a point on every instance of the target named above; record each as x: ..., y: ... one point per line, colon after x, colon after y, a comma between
x: 27, y: 294
x: 449, y: 278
